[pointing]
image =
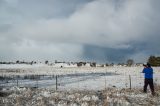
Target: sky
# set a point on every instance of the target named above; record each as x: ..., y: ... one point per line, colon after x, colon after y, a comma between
x: 79, y: 30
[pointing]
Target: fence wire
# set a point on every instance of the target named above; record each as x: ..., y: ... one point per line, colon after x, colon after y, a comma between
x: 78, y: 81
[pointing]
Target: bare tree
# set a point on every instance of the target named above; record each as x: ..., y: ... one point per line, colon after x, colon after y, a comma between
x: 130, y: 62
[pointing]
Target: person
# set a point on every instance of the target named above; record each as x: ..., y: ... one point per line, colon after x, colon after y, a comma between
x: 148, y: 78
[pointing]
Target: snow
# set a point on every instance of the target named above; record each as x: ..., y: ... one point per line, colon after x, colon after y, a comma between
x: 109, y: 97
x: 81, y: 78
x: 64, y: 65
x: 83, y: 86
x: 19, y: 66
x: 46, y: 94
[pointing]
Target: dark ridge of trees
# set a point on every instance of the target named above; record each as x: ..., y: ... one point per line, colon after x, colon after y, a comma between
x: 154, y: 61
x: 7, y: 63
x: 19, y: 62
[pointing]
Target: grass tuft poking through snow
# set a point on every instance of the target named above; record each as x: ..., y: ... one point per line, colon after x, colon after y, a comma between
x: 107, y: 97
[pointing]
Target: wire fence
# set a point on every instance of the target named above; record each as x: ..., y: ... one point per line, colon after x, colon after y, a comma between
x: 76, y: 81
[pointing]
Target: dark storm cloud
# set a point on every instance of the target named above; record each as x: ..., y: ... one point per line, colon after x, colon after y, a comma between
x: 100, y: 30
x: 95, y: 53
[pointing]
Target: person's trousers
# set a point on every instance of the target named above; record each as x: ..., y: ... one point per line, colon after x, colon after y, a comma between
x: 150, y: 83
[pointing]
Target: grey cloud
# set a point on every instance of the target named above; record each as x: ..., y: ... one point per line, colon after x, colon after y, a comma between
x: 101, y: 54
x: 101, y: 27
x: 113, y: 29
x: 34, y: 9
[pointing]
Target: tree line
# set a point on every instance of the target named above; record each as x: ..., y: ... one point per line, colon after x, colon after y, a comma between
x: 154, y: 61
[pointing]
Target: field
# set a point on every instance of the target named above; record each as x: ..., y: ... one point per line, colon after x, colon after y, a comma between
x: 41, y: 85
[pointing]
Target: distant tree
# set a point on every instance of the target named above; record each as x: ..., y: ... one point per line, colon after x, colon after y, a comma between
x: 107, y: 64
x: 81, y: 64
x: 84, y: 63
x: 46, y: 62
x: 4, y: 62
x: 158, y: 61
x: 93, y: 64
x: 130, y: 62
x: 154, y: 61
x: 17, y: 62
x: 32, y: 62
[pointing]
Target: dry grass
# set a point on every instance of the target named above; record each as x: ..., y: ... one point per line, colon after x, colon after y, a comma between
x: 127, y: 97
x: 108, y: 97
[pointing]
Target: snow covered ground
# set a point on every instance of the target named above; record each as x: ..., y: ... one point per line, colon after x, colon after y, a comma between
x: 77, y: 86
x: 71, y: 78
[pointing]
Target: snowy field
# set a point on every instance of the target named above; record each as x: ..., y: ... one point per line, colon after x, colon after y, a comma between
x: 71, y: 78
x: 77, y: 86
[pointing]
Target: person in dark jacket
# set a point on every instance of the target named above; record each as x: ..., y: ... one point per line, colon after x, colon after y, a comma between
x: 148, y: 74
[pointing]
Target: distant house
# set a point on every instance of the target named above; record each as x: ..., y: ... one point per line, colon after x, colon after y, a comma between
x: 100, y: 65
x: 139, y: 64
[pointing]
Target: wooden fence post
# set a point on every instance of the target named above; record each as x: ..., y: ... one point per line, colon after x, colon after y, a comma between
x: 17, y: 81
x: 130, y: 81
x: 56, y: 83
x: 37, y: 82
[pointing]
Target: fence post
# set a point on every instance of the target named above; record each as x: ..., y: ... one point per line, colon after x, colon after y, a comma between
x: 17, y: 81
x: 56, y: 83
x: 38, y: 78
x: 37, y: 82
x: 105, y: 83
x: 130, y: 81
x: 105, y: 80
